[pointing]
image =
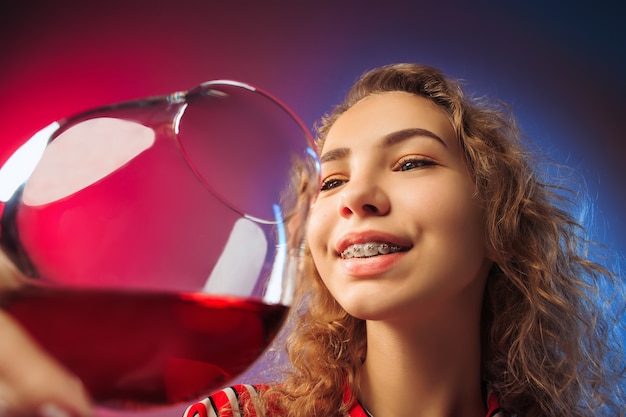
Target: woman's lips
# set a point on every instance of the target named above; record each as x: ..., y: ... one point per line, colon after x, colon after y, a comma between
x: 371, y: 266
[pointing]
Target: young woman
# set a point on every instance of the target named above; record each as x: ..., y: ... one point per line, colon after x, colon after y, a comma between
x: 445, y: 277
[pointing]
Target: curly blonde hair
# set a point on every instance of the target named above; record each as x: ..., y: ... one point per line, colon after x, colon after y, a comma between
x: 547, y: 347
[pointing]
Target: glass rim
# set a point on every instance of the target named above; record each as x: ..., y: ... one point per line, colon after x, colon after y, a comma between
x: 28, y: 155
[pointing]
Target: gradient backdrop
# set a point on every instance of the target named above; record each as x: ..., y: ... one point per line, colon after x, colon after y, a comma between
x: 561, y: 65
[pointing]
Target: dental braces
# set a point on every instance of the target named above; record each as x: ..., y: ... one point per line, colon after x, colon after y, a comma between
x: 369, y: 249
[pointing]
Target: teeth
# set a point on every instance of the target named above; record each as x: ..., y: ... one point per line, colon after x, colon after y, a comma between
x: 366, y: 250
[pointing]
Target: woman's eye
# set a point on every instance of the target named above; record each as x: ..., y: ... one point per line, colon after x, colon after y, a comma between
x: 330, y: 184
x: 414, y: 163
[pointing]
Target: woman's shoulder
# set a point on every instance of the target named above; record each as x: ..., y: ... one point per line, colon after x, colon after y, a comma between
x: 236, y: 400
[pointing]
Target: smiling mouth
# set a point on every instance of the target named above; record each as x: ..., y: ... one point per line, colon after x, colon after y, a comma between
x: 369, y: 249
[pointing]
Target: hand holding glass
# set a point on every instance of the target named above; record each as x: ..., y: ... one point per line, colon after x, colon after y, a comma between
x: 159, y: 239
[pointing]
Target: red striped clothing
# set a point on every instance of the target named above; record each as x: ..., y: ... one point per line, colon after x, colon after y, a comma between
x: 239, y: 397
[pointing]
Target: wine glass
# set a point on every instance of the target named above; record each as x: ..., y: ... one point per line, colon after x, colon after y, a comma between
x: 159, y: 239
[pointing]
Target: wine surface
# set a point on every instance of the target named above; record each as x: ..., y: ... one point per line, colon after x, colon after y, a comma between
x: 137, y: 350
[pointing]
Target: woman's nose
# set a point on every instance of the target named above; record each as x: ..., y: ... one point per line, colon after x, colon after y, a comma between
x: 363, y: 198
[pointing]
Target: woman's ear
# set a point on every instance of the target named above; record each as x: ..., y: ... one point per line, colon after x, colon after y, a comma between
x: 491, y: 253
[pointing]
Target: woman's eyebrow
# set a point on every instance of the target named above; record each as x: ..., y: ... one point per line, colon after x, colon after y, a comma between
x: 404, y: 134
x: 334, y: 154
x: 388, y: 140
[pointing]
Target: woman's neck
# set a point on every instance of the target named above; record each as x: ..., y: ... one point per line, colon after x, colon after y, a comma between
x: 430, y: 367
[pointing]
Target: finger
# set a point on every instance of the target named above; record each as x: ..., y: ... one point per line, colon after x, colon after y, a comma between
x: 34, y: 383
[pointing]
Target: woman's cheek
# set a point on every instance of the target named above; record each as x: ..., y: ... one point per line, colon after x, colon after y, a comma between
x: 318, y: 229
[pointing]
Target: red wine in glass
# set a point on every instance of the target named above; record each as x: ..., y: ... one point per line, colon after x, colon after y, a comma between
x: 135, y: 349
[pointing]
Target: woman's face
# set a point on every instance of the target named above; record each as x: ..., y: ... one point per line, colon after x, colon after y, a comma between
x: 397, y: 228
